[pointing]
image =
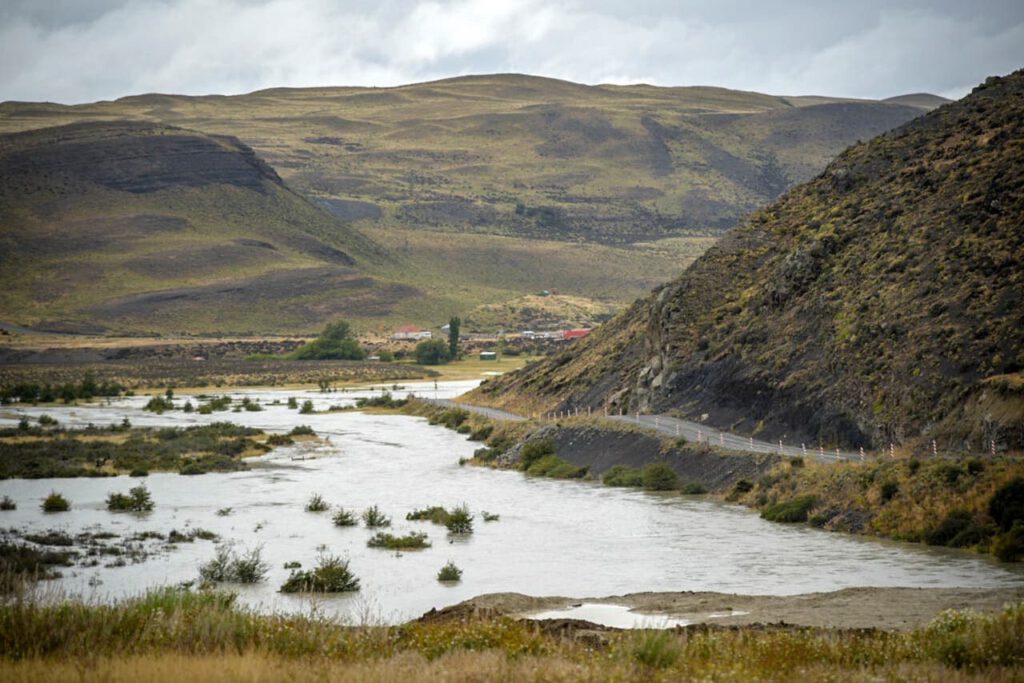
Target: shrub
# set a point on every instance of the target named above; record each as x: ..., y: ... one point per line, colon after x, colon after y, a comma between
x: 693, y: 488
x: 293, y: 402
x: 431, y: 352
x: 158, y: 404
x: 657, y: 649
x: 7, y: 503
x: 192, y: 469
x: 317, y: 503
x: 889, y: 490
x: 295, y: 564
x: 307, y: 407
x: 621, y: 475
x: 226, y: 565
x: 1006, y: 506
x: 373, y: 518
x: 974, y: 466
x: 47, y: 421
x: 413, y: 541
x: 280, y: 440
x: 302, y: 430
x: 554, y: 467
x: 55, y: 502
x: 1009, y: 546
x: 449, y: 573
x: 137, y: 500
x: 742, y: 486
x: 331, y: 575
x: 490, y: 516
x: 460, y: 521
x: 434, y: 513
x: 956, y: 523
x: 139, y: 472
x: 336, y: 342
x: 343, y: 517
x: 913, y: 465
x: 658, y: 476
x: 533, y: 451
x: 789, y: 511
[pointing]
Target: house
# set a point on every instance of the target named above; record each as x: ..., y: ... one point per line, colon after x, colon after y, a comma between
x: 410, y: 332
x: 574, y: 334
x: 488, y: 355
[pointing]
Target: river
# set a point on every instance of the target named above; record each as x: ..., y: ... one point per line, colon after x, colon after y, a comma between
x: 553, y: 537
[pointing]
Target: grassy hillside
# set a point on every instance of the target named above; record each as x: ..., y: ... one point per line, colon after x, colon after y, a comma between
x: 146, y: 227
x: 521, y: 155
x: 480, y: 190
x: 879, y: 302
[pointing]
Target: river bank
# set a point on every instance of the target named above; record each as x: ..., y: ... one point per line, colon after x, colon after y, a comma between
x: 972, y: 502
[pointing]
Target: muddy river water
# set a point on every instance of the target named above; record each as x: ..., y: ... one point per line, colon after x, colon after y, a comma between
x: 552, y: 538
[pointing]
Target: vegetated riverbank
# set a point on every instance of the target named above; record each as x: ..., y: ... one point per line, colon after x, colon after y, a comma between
x: 36, y: 452
x: 201, y: 373
x: 185, y: 635
x: 963, y: 502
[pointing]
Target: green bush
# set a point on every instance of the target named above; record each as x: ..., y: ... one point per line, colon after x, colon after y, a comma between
x: 55, y: 502
x: 490, y: 516
x: 374, y: 518
x: 158, y: 404
x: 1009, y: 546
x: 460, y: 521
x: 7, y: 503
x: 449, y: 573
x: 412, y: 541
x: 789, y: 511
x: 533, y: 451
x: 316, y: 503
x: 889, y: 490
x: 432, y: 352
x: 307, y: 408
x: 302, y: 430
x: 227, y: 565
x: 658, y: 476
x: 343, y: 517
x: 336, y: 342
x: 555, y: 468
x: 1006, y: 506
x: 280, y: 440
x: 957, y: 530
x: 331, y: 575
x: 138, y: 499
x: 693, y: 488
x: 434, y: 513
x: 622, y: 475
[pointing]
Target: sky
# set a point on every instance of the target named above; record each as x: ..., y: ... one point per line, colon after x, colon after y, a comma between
x: 74, y: 51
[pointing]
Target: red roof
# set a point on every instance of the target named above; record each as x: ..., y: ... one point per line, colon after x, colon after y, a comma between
x: 574, y: 334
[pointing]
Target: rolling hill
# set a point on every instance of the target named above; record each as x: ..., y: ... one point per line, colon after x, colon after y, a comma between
x: 478, y: 190
x: 880, y: 302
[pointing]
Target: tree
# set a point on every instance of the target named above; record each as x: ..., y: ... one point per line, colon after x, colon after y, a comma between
x: 453, y: 337
x: 431, y: 352
x: 334, y: 343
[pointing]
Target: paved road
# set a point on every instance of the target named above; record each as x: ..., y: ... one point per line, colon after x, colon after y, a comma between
x: 691, y: 431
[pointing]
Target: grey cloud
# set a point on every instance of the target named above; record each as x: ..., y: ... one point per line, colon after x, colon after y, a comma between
x: 76, y: 51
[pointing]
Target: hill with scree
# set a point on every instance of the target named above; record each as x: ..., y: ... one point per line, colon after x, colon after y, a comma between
x: 879, y: 302
x: 115, y: 225
x: 482, y: 190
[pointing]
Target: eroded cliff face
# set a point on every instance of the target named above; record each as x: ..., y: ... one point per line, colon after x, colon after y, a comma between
x: 867, y: 306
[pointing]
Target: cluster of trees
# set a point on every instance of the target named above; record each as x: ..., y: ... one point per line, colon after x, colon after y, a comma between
x: 89, y: 387
x: 437, y: 351
x: 337, y: 342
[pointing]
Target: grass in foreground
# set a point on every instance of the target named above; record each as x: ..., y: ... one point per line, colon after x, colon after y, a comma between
x: 183, y: 635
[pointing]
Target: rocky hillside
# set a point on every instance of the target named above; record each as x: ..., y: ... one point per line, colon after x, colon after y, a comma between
x: 879, y: 302
x: 135, y: 226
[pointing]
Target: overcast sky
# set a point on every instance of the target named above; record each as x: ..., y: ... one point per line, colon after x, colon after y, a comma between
x: 85, y: 50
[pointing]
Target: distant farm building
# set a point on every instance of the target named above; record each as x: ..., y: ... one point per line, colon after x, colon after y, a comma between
x: 574, y: 334
x: 488, y: 355
x: 410, y: 332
